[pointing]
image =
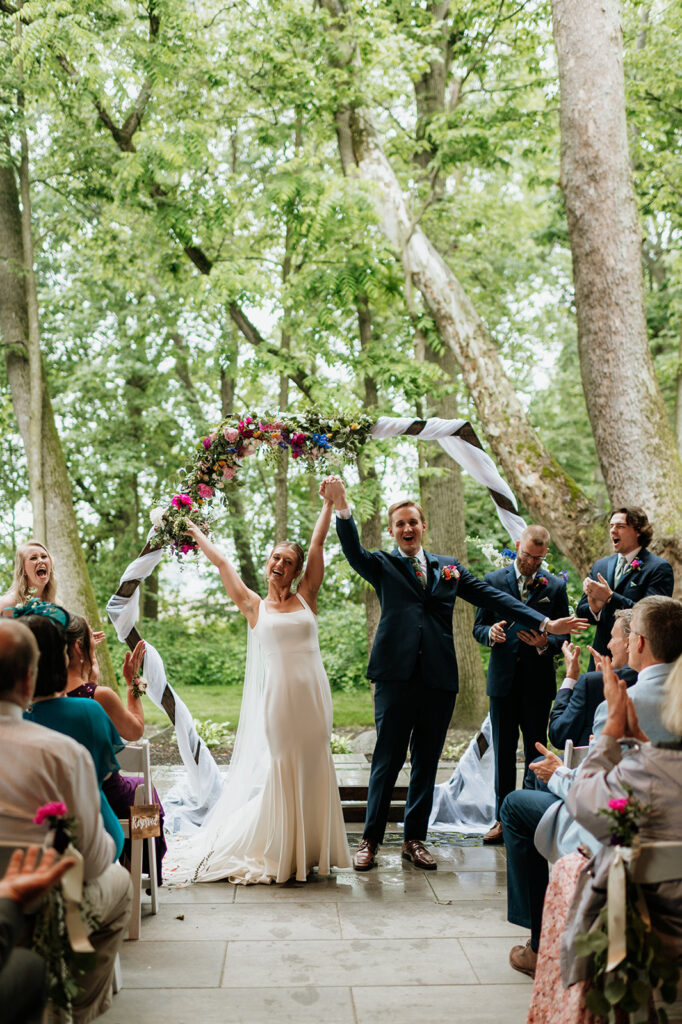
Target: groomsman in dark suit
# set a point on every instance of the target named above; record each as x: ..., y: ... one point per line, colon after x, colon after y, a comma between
x: 521, y: 681
x: 413, y: 663
x: 625, y: 577
x: 579, y: 695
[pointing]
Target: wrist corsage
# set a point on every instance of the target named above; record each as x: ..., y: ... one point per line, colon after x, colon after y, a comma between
x: 450, y: 572
x: 138, y: 687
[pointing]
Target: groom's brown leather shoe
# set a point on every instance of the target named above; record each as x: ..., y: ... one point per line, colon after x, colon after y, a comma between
x: 363, y: 859
x: 414, y: 850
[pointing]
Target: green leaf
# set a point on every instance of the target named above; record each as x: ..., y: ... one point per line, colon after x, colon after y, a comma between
x: 614, y: 987
x: 597, y: 1002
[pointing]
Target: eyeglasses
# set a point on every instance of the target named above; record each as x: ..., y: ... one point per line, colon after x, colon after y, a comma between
x: 533, y: 558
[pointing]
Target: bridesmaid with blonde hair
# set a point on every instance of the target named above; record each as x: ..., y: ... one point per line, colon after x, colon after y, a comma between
x: 34, y: 576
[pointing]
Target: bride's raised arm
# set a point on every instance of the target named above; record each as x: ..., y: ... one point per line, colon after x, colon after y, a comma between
x: 311, y: 580
x: 246, y: 600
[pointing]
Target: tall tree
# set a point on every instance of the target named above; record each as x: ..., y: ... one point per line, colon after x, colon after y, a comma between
x: 62, y: 533
x: 639, y: 458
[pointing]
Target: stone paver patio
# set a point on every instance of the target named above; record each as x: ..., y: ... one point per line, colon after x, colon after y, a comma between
x: 394, y: 944
x: 391, y: 945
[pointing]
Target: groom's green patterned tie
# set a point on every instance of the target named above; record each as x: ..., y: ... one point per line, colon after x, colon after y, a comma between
x: 418, y: 571
x: 621, y: 566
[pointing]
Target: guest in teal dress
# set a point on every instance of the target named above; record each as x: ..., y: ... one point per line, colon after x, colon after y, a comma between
x: 84, y: 720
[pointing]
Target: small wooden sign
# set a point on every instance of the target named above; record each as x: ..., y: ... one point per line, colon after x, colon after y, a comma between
x: 145, y: 821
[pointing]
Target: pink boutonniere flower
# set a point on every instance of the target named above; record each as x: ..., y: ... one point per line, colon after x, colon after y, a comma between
x: 635, y: 564
x: 450, y: 572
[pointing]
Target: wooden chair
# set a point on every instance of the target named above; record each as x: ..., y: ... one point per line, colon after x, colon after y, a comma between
x: 135, y: 759
x: 574, y: 755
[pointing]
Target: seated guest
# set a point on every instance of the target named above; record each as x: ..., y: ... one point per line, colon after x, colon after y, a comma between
x: 580, y: 695
x: 81, y: 681
x: 625, y: 577
x: 41, y: 766
x: 652, y: 773
x: 538, y: 826
x: 83, y: 720
x: 23, y: 973
x: 33, y: 576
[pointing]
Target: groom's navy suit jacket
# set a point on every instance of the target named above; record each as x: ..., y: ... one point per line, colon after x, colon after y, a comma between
x: 415, y: 628
x: 549, y: 599
x: 654, y: 576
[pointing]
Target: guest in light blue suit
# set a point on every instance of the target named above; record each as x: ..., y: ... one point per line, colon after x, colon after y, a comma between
x: 538, y: 826
x: 521, y: 681
x: 626, y: 576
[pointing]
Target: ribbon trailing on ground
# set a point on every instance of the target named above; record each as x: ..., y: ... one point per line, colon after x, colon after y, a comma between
x: 189, y: 801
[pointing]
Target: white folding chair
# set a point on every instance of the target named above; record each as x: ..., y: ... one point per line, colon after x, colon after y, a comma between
x: 574, y: 755
x: 135, y: 759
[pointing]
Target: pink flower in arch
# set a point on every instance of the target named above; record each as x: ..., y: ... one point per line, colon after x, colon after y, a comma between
x: 229, y: 472
x: 181, y: 499
x: 230, y: 434
x: 205, y: 491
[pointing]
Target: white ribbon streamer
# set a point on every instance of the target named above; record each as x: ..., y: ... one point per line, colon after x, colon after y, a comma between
x: 188, y: 802
x: 459, y: 440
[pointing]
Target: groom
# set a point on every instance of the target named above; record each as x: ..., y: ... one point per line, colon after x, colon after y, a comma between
x: 413, y: 663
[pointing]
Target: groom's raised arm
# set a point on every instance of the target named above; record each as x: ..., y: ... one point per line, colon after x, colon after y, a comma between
x: 363, y: 561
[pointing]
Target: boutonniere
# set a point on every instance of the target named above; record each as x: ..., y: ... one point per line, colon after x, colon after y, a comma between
x: 450, y: 572
x: 538, y: 582
x: 634, y: 565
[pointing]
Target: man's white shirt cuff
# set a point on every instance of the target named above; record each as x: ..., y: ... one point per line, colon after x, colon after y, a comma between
x: 343, y: 513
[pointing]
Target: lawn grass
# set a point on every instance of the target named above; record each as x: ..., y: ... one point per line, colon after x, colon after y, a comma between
x: 222, y: 704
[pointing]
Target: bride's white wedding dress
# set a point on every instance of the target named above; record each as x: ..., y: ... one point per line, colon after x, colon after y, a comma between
x: 285, y: 817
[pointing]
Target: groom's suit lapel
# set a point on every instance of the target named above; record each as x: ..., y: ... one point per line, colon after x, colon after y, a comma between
x: 433, y: 566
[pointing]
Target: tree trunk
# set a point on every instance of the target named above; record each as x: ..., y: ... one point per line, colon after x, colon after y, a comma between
x: 636, y: 448
x: 75, y: 589
x: 370, y: 529
x: 240, y: 530
x: 443, y: 498
x: 35, y: 363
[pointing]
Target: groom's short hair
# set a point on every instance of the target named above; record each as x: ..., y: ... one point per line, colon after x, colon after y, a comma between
x: 405, y: 503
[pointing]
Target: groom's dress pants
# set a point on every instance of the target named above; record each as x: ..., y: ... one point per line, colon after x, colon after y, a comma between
x: 406, y: 714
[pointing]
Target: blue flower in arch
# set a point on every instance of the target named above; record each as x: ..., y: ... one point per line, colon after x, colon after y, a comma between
x: 321, y: 441
x: 563, y: 575
x: 508, y: 553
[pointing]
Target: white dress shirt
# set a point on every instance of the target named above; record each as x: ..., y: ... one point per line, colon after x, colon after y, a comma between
x: 38, y: 766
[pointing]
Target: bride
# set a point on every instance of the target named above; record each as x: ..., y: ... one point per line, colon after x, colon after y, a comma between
x: 279, y: 815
